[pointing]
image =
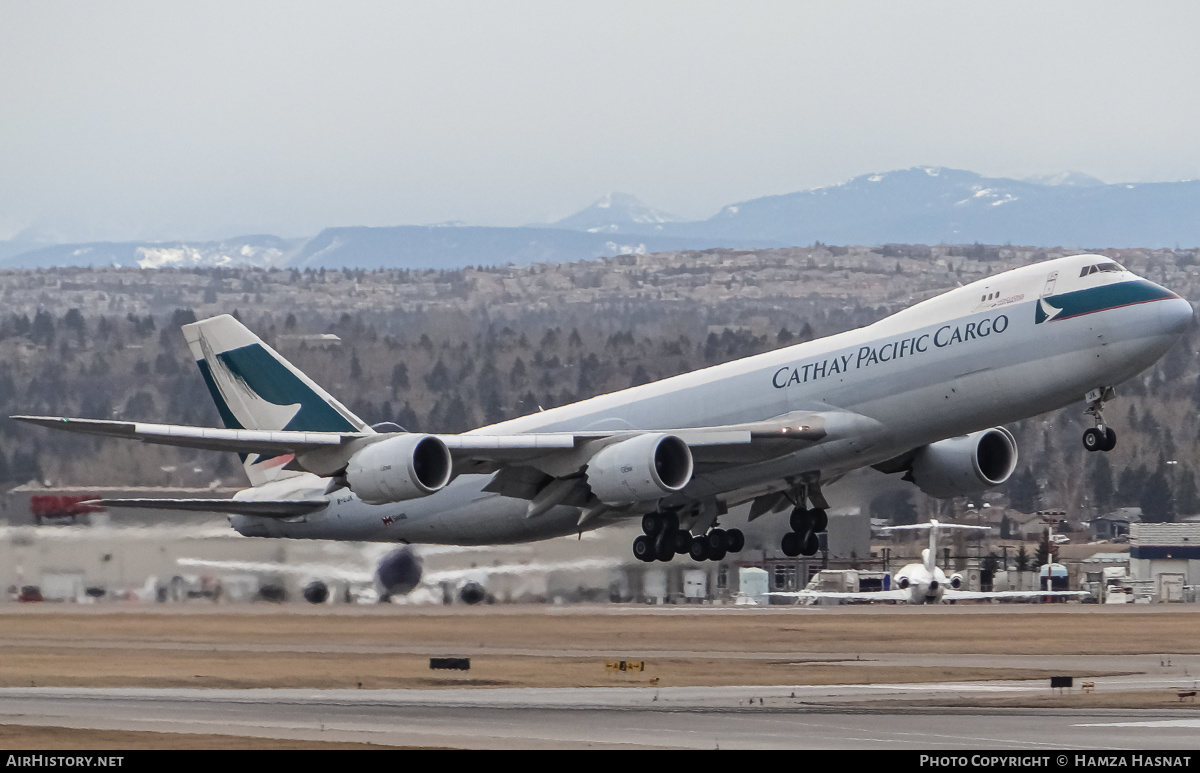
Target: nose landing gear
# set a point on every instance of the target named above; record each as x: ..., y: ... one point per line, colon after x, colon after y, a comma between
x: 1100, y: 437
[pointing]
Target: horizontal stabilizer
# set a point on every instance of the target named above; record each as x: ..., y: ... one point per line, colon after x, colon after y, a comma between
x: 266, y: 508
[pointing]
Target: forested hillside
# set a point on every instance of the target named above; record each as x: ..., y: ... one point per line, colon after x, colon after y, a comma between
x: 450, y: 350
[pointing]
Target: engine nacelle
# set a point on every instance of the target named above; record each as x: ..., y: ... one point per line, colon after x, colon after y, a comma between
x: 965, y: 465
x: 641, y: 469
x: 471, y: 593
x: 398, y: 572
x: 902, y: 583
x: 399, y: 468
x: 956, y: 581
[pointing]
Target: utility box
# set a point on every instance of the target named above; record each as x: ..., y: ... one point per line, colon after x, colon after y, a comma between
x: 753, y: 586
x: 1170, y: 587
x: 695, y: 585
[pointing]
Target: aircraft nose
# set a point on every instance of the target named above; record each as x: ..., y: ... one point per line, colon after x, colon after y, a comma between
x: 1175, y: 315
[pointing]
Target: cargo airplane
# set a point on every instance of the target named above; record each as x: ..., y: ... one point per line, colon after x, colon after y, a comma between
x: 923, y: 393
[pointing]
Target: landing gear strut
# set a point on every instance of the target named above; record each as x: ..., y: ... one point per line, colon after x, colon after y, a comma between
x: 1100, y: 437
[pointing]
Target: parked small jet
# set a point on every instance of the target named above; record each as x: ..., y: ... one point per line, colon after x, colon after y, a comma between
x: 922, y: 392
x: 926, y: 582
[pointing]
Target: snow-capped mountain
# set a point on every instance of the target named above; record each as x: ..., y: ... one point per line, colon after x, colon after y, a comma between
x: 932, y: 205
x: 921, y: 205
x: 617, y: 213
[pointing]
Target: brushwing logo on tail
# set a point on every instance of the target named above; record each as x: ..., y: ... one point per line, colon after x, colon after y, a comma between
x: 1044, y: 312
x: 242, y: 401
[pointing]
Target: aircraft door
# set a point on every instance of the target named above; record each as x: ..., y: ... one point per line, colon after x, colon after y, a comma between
x: 1048, y: 290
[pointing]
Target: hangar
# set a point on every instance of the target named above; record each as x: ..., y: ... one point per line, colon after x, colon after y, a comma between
x: 1164, y: 559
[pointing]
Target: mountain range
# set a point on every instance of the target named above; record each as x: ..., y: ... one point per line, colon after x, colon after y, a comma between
x: 921, y: 205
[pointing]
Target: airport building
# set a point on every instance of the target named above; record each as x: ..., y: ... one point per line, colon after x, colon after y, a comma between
x: 1164, y: 560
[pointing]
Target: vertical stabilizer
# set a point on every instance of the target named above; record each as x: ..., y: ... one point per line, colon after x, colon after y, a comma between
x: 256, y: 388
x: 931, y: 555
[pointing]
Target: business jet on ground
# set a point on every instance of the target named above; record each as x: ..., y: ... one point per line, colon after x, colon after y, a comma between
x: 399, y: 573
x: 926, y: 582
x: 922, y: 392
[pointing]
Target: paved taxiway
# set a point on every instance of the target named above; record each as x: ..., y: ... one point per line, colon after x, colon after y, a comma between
x: 691, y: 718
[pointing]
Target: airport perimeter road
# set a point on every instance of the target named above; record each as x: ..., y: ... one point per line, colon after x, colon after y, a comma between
x: 689, y: 718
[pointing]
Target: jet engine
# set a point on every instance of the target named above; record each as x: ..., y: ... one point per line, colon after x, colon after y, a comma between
x: 956, y: 581
x: 398, y: 572
x: 471, y: 593
x: 641, y: 469
x: 316, y: 592
x: 902, y: 583
x: 399, y: 468
x: 964, y: 465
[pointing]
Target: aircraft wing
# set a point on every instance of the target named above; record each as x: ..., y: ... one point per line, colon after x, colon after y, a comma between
x: 328, y: 571
x: 953, y: 595
x: 896, y: 594
x: 478, y: 452
x: 266, y: 508
x: 429, y: 578
x: 207, y: 438
x: 532, y: 567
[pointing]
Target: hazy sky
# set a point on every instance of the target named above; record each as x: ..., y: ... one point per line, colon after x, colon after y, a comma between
x: 195, y: 120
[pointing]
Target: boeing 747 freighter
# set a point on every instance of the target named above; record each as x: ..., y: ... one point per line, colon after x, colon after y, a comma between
x: 924, y: 393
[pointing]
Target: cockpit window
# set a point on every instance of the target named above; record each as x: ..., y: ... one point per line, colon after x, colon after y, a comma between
x: 1101, y: 267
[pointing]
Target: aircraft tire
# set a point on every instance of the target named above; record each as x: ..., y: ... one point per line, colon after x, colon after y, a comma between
x: 716, y: 554
x: 790, y: 544
x: 715, y: 540
x: 810, y: 544
x: 735, y: 540
x: 652, y: 523
x: 1093, y: 439
x: 697, y: 550
x: 643, y: 548
x: 1110, y: 439
x: 683, y: 542
x: 665, y: 547
x: 800, y: 520
x: 820, y: 519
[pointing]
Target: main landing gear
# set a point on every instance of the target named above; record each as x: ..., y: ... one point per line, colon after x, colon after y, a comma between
x: 1100, y: 437
x: 806, y: 524
x: 662, y: 539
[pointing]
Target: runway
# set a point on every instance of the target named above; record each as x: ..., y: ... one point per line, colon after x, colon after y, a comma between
x: 668, y: 718
x: 948, y: 678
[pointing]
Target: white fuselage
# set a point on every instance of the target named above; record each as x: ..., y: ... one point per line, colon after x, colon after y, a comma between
x: 996, y: 351
x: 925, y: 585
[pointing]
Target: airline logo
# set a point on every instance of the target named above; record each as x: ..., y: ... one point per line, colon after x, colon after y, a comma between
x: 867, y: 356
x: 1094, y: 299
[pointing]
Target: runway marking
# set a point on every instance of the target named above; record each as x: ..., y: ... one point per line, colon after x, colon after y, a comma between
x: 1147, y: 723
